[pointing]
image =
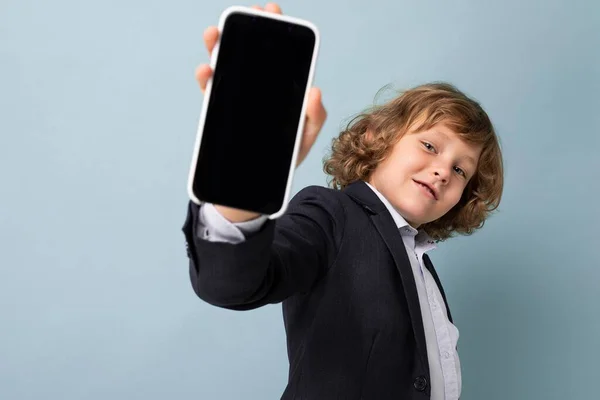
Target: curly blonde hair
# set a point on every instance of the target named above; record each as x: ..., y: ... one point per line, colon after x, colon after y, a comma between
x: 355, y: 155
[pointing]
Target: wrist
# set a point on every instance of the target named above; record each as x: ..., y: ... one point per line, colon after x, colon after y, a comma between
x: 236, y: 215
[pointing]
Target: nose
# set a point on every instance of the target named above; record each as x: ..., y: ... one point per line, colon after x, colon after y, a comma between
x: 442, y: 174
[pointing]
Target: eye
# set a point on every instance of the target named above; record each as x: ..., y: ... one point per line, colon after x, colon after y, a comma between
x: 460, y: 171
x: 429, y: 146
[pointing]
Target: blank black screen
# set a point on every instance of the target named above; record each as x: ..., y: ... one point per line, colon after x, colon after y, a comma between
x: 253, y: 113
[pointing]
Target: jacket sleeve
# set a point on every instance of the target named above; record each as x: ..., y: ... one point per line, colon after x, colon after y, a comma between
x: 286, y: 256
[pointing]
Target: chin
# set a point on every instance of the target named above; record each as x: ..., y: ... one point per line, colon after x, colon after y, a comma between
x: 412, y: 215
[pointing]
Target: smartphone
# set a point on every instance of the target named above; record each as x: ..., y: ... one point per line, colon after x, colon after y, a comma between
x: 253, y: 111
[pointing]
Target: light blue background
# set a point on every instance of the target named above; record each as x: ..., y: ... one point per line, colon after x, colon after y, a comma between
x: 98, y: 116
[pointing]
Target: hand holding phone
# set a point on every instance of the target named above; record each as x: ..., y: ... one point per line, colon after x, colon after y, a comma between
x: 315, y: 113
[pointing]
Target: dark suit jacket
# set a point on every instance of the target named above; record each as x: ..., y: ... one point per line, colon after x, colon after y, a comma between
x: 350, y: 306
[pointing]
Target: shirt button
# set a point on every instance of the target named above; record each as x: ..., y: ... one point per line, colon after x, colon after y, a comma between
x: 420, y: 383
x: 446, y: 355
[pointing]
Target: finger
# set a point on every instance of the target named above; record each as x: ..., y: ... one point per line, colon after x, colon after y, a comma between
x: 257, y: 7
x: 273, y: 7
x: 203, y: 74
x: 315, y: 118
x: 315, y: 111
x: 211, y: 35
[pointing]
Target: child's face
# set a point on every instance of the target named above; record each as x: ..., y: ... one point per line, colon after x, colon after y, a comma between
x: 436, y: 157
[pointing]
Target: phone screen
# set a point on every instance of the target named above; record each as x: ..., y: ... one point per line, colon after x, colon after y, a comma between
x: 253, y: 113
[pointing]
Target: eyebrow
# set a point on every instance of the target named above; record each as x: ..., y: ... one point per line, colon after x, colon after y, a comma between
x: 469, y: 158
x: 441, y: 134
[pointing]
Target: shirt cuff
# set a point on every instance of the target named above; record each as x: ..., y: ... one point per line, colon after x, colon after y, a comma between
x: 214, y: 227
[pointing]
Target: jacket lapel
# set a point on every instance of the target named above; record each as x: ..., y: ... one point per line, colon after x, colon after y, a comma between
x: 386, y: 227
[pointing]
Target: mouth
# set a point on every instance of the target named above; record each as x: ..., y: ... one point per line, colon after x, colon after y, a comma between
x: 427, y: 189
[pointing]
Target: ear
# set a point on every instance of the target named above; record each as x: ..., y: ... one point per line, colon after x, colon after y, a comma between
x: 369, y: 135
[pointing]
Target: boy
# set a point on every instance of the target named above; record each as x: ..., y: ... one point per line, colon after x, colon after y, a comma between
x: 365, y: 313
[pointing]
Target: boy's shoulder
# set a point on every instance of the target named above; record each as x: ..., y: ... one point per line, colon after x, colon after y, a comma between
x: 321, y: 194
x: 323, y: 205
x: 356, y: 196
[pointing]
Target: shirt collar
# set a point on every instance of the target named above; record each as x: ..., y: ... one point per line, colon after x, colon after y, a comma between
x: 422, y: 239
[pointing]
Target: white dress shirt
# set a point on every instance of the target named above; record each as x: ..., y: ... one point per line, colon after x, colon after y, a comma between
x: 440, y: 334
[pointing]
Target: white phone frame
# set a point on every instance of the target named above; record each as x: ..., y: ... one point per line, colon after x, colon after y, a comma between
x: 213, y: 65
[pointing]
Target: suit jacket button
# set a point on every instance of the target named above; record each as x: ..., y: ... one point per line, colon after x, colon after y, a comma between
x: 420, y: 383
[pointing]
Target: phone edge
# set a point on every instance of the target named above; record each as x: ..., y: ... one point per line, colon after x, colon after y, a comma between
x: 213, y: 60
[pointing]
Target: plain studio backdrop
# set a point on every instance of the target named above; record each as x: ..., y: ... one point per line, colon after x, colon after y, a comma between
x: 98, y: 116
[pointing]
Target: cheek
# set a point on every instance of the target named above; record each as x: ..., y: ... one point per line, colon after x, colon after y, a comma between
x: 412, y: 160
x: 403, y: 167
x: 391, y: 172
x: 454, y: 196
